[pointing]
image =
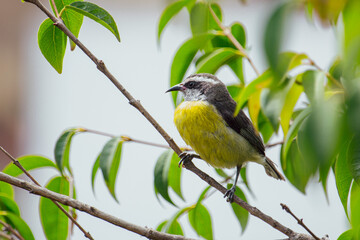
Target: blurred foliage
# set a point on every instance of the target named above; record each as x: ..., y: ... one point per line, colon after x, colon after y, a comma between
x: 321, y: 135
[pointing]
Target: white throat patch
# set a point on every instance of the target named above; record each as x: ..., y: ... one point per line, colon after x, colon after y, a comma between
x: 194, y: 95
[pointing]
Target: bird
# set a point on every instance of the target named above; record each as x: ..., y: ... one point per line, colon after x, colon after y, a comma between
x: 206, y: 122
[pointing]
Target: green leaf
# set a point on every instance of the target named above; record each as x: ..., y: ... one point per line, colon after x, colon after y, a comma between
x: 237, y: 30
x: 97, y: 14
x: 274, y: 33
x: 295, y: 171
x: 169, y: 12
x: 263, y: 81
x: 94, y: 172
x: 160, y: 227
x: 273, y: 100
x: 347, y: 235
x: 203, y: 194
x: 354, y: 158
x: 343, y: 176
x: 183, y: 57
x: 53, y: 220
x: 18, y: 224
x: 241, y: 214
x: 355, y: 210
x: 62, y: 148
x: 216, y: 59
x: 221, y: 173
x: 289, y: 104
x: 174, y: 175
x: 200, y: 220
x: 286, y: 62
x: 109, y: 162
x: 6, y: 189
x: 319, y: 137
x: 234, y: 89
x: 314, y: 83
x: 8, y: 204
x: 175, y: 228
x: 172, y: 225
x: 199, y: 18
x: 29, y: 162
x: 293, y: 130
x: 236, y: 64
x: 52, y: 43
x: 72, y: 20
x: 265, y: 127
x: 161, y: 173
x: 243, y: 176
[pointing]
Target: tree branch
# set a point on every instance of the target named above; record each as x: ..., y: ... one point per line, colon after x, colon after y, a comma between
x: 40, y: 191
x: 136, y: 103
x: 17, y: 163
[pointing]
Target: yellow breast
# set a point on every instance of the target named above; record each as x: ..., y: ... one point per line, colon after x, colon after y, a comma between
x: 203, y: 128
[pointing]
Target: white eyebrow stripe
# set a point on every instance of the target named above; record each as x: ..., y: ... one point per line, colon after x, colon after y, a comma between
x: 204, y: 79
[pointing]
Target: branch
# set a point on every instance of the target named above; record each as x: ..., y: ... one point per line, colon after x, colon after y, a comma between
x: 136, y: 103
x: 234, y: 41
x: 6, y: 236
x: 274, y: 144
x: 41, y: 191
x: 327, y: 74
x: 300, y: 221
x: 17, y: 163
x: 10, y: 229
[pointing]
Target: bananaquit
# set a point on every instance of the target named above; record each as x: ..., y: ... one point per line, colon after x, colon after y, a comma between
x: 206, y: 122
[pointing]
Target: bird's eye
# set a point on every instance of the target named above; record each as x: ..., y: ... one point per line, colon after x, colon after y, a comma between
x: 191, y: 84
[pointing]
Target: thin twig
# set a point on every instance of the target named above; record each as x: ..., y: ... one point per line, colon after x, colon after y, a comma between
x: 6, y: 236
x: 327, y: 74
x: 13, y: 231
x: 17, y: 163
x: 41, y: 191
x: 274, y: 144
x: 234, y: 41
x: 299, y: 221
x: 129, y: 139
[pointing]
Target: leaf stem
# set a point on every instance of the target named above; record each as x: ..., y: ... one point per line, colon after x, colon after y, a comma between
x: 231, y: 37
x: 17, y: 163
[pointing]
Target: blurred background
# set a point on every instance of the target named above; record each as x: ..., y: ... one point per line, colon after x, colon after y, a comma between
x: 37, y: 104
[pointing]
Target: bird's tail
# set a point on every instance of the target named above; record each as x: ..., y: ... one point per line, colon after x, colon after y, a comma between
x: 271, y: 170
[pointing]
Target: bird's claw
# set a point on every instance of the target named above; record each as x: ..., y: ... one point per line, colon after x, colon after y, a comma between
x: 229, y: 194
x: 184, y: 157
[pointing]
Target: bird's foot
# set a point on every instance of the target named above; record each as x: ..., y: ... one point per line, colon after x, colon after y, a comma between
x: 229, y: 194
x: 185, y: 157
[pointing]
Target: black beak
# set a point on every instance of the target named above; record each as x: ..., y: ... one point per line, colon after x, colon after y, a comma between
x: 178, y: 87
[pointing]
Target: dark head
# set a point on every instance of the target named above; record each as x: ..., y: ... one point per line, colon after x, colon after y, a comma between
x: 203, y: 86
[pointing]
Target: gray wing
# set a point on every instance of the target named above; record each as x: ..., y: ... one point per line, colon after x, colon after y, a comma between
x: 240, y: 124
